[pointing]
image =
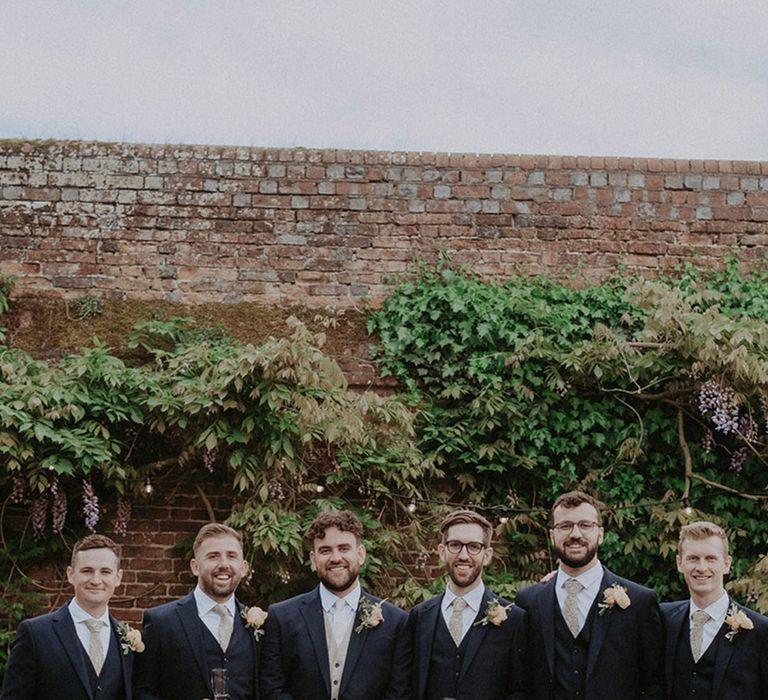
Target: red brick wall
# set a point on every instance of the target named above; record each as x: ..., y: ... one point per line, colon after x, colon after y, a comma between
x: 208, y: 224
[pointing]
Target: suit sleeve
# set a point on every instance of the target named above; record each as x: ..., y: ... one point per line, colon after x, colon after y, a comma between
x: 652, y: 651
x: 147, y: 666
x: 399, y: 687
x: 518, y: 663
x: 21, y: 672
x: 273, y: 682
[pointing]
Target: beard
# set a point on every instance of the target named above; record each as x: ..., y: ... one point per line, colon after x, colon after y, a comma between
x: 339, y: 580
x: 220, y: 590
x: 464, y: 578
x: 576, y: 562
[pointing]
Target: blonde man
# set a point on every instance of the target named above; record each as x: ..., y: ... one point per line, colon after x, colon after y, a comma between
x: 715, y: 648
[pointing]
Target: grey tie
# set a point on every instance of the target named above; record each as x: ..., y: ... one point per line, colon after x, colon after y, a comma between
x: 339, y: 620
x: 571, y: 606
x: 697, y: 632
x: 456, y: 623
x: 95, y: 649
x: 225, y: 626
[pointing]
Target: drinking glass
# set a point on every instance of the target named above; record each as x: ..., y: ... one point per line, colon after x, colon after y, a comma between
x: 220, y: 683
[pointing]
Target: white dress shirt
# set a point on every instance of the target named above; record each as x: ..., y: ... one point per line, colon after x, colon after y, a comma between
x: 590, y: 579
x: 205, y: 606
x: 79, y: 616
x: 717, y: 612
x: 474, y: 600
x: 351, y: 600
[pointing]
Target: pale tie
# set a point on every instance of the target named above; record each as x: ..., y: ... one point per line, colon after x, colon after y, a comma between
x: 571, y: 606
x: 697, y: 632
x: 95, y: 649
x: 456, y: 623
x: 339, y: 620
x: 225, y: 625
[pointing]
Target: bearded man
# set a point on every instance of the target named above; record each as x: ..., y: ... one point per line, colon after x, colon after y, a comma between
x: 336, y: 641
x: 592, y: 634
x: 206, y: 629
x: 468, y: 642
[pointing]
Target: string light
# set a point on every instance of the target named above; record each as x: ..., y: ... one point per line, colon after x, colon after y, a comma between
x: 148, y: 488
x: 686, y: 503
x: 503, y: 519
x: 319, y: 488
x: 412, y: 506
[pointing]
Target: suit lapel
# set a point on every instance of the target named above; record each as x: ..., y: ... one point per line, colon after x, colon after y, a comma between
x: 356, y: 643
x: 677, y: 622
x: 239, y: 607
x: 476, y: 633
x: 548, y: 620
x: 430, y: 618
x: 600, y: 623
x: 724, y: 651
x: 312, y: 612
x: 64, y: 627
x: 190, y: 622
x: 124, y: 665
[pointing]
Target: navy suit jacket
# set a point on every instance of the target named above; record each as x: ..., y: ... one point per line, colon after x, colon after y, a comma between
x: 626, y: 656
x: 48, y: 662
x: 295, y: 654
x: 173, y: 665
x: 494, y: 666
x: 741, y: 665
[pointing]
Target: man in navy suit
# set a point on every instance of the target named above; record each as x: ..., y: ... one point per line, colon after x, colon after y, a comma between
x: 715, y: 648
x: 468, y: 643
x: 206, y: 629
x: 336, y: 642
x: 77, y: 652
x: 592, y: 635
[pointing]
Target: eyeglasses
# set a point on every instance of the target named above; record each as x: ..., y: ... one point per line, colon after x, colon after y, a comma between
x: 585, y: 526
x: 473, y: 548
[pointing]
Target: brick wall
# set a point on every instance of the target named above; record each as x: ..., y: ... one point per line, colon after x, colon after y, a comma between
x: 209, y: 224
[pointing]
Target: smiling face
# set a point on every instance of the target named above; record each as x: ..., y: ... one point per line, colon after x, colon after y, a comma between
x: 576, y: 550
x: 464, y: 569
x: 704, y: 564
x: 337, y: 559
x: 219, y: 566
x: 94, y: 574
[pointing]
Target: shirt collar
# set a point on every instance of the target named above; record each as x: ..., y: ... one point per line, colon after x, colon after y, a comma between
x: 327, y: 598
x: 80, y: 615
x: 205, y: 603
x: 590, y: 577
x: 716, y: 610
x: 474, y: 598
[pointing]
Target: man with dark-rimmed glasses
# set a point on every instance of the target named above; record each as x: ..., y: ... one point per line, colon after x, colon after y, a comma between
x: 592, y: 634
x: 468, y: 642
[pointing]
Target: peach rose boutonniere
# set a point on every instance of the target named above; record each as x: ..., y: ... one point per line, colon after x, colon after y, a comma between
x: 255, y: 618
x: 370, y: 614
x: 495, y: 613
x: 130, y: 639
x: 614, y: 595
x: 737, y: 620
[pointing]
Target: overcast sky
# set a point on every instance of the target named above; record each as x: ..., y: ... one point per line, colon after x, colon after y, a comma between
x: 673, y: 78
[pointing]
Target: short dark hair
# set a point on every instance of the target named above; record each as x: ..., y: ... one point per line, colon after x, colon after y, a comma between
x: 94, y: 542
x: 215, y: 530
x: 344, y: 520
x: 467, y: 517
x: 573, y: 499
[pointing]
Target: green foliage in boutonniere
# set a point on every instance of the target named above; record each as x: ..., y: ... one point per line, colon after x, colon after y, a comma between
x: 614, y: 595
x: 255, y: 618
x: 130, y: 639
x: 370, y: 614
x: 737, y: 620
x: 495, y: 613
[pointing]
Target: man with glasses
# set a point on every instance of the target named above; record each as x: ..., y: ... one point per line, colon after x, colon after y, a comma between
x: 468, y: 642
x: 592, y: 634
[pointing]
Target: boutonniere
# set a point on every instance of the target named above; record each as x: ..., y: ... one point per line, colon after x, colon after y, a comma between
x: 254, y: 618
x: 495, y: 613
x: 130, y: 638
x: 737, y: 620
x: 614, y: 595
x: 370, y: 614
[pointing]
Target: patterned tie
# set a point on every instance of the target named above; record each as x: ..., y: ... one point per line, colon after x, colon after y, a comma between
x: 697, y: 632
x: 456, y: 623
x: 571, y: 607
x: 95, y: 649
x: 225, y: 626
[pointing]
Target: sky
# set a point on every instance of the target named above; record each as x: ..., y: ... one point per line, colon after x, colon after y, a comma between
x: 672, y: 78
